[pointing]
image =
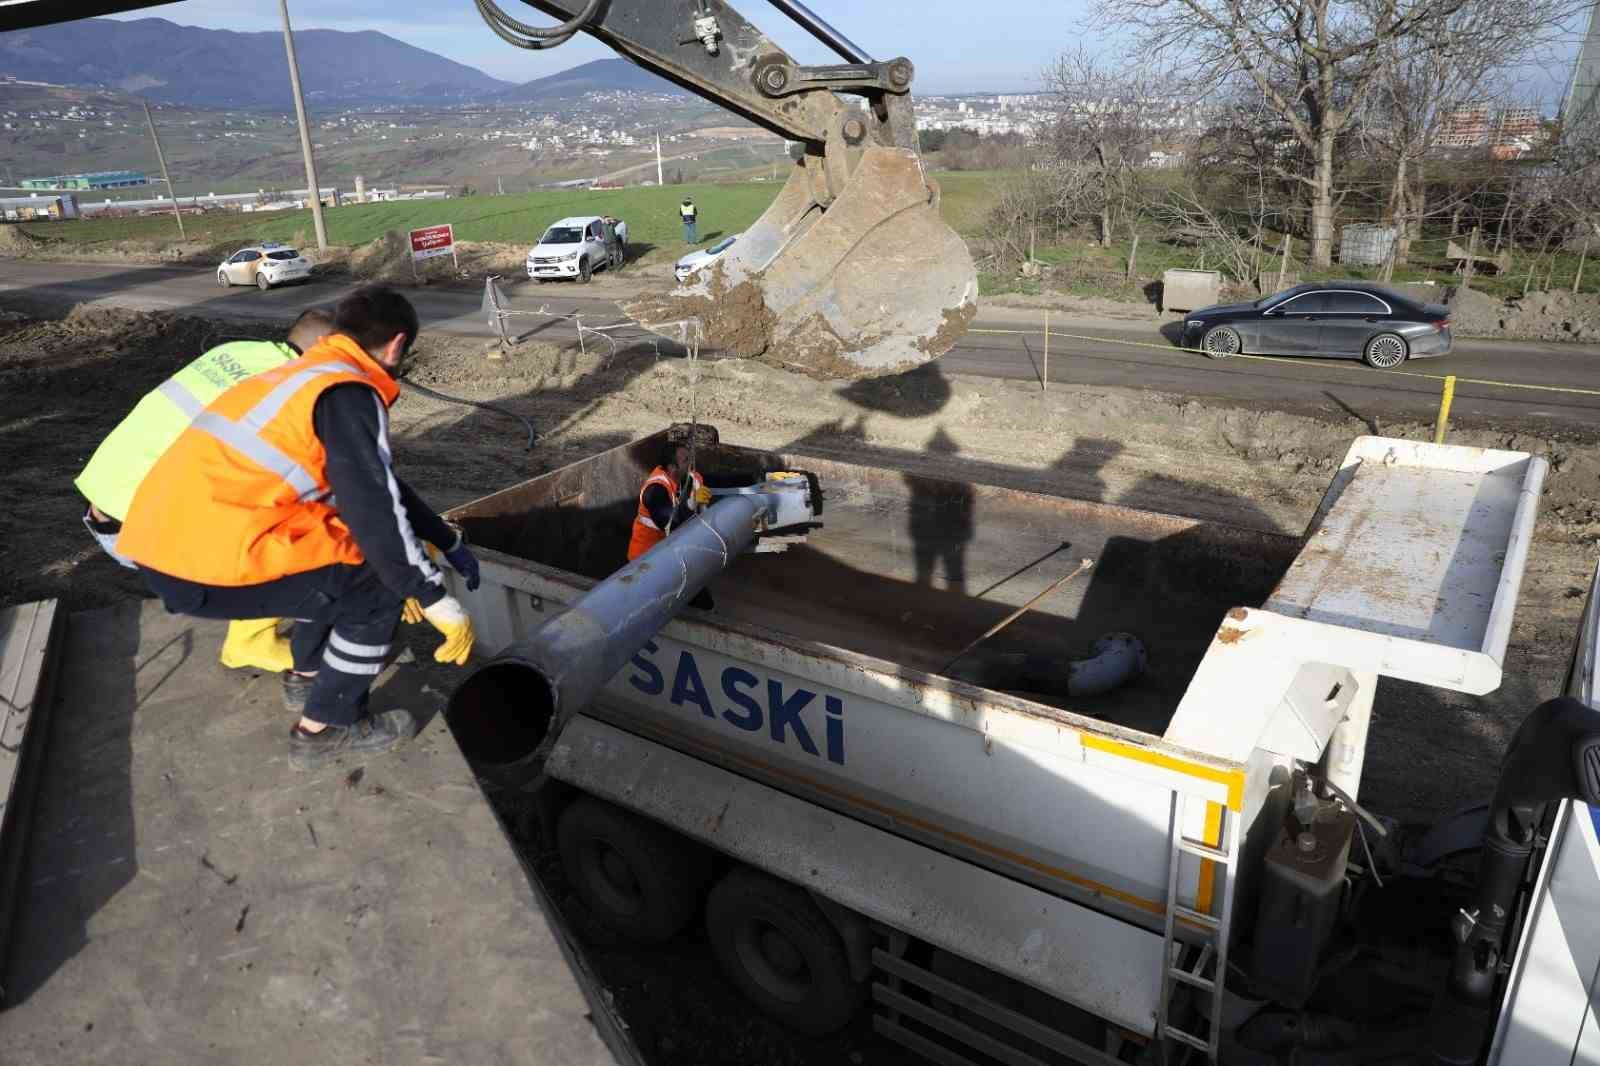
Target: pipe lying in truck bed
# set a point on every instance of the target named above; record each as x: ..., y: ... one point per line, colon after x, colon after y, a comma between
x: 558, y: 669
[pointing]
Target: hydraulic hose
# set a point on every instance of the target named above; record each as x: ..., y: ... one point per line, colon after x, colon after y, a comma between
x: 522, y: 35
x: 527, y: 424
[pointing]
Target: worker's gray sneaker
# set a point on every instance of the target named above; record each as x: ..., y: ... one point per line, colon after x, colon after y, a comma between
x: 296, y: 690
x: 372, y: 735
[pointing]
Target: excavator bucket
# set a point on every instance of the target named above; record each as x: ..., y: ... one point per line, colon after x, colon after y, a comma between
x: 874, y: 284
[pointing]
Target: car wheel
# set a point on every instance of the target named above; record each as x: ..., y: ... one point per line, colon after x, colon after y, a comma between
x: 222, y: 279
x: 262, y: 283
x: 1220, y: 342
x: 1385, y: 351
x: 584, y: 271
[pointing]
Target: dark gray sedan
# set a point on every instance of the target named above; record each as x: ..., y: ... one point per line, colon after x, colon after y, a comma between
x: 1337, y: 320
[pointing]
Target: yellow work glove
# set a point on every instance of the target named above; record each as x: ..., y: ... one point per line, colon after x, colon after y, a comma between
x: 411, y: 613
x: 450, y: 618
x: 702, y: 496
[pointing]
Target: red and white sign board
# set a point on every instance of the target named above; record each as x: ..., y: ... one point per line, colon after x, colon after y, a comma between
x: 430, y: 241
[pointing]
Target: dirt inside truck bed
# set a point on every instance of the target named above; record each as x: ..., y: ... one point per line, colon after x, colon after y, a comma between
x: 911, y: 568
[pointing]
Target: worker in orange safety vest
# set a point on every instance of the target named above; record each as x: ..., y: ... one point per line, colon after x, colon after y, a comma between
x: 280, y: 499
x: 669, y: 497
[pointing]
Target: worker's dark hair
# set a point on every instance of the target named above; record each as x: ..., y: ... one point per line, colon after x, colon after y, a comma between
x: 669, y: 452
x: 373, y: 314
x: 310, y: 327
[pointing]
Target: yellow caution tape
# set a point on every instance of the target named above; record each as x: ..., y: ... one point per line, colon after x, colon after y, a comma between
x: 1571, y: 390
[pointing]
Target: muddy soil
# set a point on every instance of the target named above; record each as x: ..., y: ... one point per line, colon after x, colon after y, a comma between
x: 66, y: 382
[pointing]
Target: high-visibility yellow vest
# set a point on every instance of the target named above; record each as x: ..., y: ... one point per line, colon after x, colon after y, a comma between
x: 127, y: 454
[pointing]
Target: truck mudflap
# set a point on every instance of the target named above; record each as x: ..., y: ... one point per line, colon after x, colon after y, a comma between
x: 1081, y: 956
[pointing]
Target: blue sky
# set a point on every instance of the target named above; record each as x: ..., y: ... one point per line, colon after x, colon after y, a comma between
x: 958, y: 45
x: 1002, y: 47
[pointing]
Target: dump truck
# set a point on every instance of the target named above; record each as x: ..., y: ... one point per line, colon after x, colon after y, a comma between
x: 1130, y: 823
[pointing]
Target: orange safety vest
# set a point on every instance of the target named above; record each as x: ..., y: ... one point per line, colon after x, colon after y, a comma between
x: 646, y: 534
x: 242, y: 496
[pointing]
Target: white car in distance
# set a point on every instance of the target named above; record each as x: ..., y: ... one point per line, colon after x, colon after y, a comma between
x: 578, y: 246
x: 263, y: 265
x: 694, y: 261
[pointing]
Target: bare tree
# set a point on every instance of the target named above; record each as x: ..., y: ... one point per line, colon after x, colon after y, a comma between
x: 1447, y: 63
x: 1314, y: 62
x: 1108, y: 117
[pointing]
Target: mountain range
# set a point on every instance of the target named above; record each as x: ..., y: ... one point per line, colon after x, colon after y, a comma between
x: 164, y: 61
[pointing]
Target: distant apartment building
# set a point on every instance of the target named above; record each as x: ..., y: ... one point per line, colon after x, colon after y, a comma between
x: 104, y: 179
x: 1506, y: 133
x: 1465, y: 126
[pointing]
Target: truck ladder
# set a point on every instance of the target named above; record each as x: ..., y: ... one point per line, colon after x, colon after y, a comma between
x: 1215, y: 927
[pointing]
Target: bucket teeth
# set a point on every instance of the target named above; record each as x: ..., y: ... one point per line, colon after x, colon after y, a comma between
x: 875, y: 284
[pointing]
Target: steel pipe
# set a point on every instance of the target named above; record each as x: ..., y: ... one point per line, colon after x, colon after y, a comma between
x: 503, y: 711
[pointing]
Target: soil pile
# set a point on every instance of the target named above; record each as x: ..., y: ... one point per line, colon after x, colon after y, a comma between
x: 386, y: 259
x: 1549, y: 316
x: 14, y: 242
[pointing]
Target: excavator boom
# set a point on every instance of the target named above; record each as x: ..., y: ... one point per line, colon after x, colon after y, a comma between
x: 851, y: 272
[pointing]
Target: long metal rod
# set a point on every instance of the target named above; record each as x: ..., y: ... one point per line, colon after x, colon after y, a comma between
x: 813, y: 24
x: 161, y: 157
x: 313, y: 190
x: 1018, y: 613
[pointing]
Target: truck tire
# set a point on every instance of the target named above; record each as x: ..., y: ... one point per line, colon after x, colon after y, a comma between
x: 585, y: 272
x: 782, y: 952
x: 637, y: 877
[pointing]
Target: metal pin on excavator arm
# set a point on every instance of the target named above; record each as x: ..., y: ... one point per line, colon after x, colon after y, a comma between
x: 851, y: 273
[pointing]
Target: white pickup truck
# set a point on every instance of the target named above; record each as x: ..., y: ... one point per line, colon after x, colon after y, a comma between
x: 578, y: 246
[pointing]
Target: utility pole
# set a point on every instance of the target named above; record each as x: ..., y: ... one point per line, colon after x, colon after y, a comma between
x: 313, y: 190
x: 161, y: 158
x: 660, y: 179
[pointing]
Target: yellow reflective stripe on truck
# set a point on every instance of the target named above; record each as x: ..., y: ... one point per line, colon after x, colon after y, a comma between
x: 1205, y: 892
x: 1233, y: 779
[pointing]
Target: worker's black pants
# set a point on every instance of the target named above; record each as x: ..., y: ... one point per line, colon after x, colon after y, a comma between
x: 344, y: 622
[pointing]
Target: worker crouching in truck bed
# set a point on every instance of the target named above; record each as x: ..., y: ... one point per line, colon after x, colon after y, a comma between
x: 669, y: 497
x: 280, y: 499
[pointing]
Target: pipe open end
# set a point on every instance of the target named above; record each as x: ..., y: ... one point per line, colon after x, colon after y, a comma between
x: 500, y: 714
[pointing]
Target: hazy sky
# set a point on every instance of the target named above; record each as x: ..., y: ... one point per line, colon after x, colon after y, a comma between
x: 1001, y: 47
x: 958, y: 45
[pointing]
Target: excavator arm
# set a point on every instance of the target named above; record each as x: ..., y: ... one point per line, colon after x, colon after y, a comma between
x: 851, y: 272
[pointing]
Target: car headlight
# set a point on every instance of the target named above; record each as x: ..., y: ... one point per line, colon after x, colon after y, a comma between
x: 569, y: 257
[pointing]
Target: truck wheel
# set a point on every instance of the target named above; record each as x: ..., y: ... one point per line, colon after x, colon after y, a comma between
x: 639, y: 878
x: 778, y: 947
x: 585, y: 272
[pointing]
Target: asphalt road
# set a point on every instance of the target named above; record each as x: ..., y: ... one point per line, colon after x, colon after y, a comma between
x: 1004, y: 343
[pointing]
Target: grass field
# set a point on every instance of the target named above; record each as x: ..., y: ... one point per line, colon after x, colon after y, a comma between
x: 651, y: 214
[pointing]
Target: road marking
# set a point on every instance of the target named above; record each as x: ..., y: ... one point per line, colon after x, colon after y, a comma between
x: 1569, y: 389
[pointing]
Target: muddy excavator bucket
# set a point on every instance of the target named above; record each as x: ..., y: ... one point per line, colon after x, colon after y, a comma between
x: 876, y: 283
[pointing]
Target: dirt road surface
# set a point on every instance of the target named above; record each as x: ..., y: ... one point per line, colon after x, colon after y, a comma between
x: 66, y: 382
x: 1004, y: 343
